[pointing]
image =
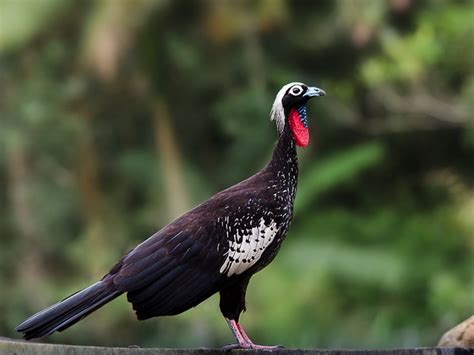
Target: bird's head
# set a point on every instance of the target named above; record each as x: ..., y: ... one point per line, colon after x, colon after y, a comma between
x: 289, y: 110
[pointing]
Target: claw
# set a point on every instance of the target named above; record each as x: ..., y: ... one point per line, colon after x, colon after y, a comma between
x: 266, y: 347
x: 252, y: 346
x: 244, y: 341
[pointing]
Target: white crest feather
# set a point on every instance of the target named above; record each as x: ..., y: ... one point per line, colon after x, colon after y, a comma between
x: 277, y: 113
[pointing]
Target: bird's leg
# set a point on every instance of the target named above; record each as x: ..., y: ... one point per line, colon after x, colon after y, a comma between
x: 255, y: 346
x: 243, y: 333
x: 243, y: 339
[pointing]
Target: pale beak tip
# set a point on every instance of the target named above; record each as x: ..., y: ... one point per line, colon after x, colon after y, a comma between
x: 315, y: 92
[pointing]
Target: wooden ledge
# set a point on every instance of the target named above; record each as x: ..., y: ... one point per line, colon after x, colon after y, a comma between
x: 12, y: 346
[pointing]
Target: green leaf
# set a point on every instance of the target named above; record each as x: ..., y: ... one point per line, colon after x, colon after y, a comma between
x: 335, y: 171
x: 21, y: 20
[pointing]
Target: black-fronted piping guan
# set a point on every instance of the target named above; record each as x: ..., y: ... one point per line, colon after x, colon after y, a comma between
x: 215, y: 247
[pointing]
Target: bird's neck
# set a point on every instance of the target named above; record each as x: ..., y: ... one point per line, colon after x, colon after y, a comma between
x: 285, y: 148
x: 284, y: 162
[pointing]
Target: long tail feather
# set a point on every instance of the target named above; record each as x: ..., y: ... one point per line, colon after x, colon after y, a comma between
x: 63, y: 314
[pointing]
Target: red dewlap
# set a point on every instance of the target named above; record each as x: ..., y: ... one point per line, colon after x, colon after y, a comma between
x: 300, y: 132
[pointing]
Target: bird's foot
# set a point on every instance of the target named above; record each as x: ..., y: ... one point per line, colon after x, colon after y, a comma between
x: 243, y: 340
x: 252, y: 346
x: 266, y: 347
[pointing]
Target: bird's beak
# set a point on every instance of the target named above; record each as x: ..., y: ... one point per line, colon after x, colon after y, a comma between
x: 314, y: 91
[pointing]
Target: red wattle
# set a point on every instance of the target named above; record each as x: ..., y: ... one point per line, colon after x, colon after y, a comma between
x: 300, y: 132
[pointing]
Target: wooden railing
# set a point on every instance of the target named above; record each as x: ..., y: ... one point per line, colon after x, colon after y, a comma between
x: 18, y: 347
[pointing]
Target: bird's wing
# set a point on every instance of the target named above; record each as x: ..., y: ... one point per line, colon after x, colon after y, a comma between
x: 173, y: 270
x: 181, y: 265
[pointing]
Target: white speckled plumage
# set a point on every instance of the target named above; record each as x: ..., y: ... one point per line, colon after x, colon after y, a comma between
x: 247, y: 247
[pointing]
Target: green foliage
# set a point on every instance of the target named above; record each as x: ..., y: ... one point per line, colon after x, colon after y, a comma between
x: 381, y: 249
x: 22, y: 20
x: 335, y: 170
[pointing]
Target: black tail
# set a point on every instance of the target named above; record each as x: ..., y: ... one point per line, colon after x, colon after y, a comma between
x: 63, y: 314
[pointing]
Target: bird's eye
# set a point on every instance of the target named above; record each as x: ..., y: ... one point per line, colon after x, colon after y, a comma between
x: 296, y: 90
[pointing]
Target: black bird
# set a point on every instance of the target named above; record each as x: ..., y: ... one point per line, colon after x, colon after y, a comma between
x: 215, y: 247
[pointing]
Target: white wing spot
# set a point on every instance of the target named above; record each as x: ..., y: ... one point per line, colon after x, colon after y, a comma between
x: 242, y: 256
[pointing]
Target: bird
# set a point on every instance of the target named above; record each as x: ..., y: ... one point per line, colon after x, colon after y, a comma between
x: 215, y: 247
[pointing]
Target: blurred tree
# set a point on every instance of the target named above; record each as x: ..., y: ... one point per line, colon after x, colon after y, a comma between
x: 118, y: 115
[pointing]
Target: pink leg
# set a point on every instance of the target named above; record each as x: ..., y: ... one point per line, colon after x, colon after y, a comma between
x: 243, y: 333
x: 243, y: 339
x: 242, y: 342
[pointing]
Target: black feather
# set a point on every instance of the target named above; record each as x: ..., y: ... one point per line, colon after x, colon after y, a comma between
x: 67, y: 312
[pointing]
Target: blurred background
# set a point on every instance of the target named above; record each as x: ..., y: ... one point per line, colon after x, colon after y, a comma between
x: 117, y: 116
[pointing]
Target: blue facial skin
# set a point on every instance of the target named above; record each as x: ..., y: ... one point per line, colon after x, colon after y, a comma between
x: 302, y: 112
